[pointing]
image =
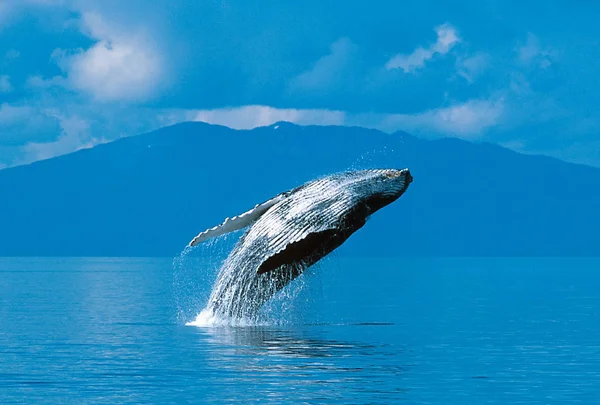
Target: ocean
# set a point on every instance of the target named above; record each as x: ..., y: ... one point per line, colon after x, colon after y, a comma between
x: 350, y: 330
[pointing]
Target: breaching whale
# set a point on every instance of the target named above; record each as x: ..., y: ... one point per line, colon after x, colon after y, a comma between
x: 291, y: 232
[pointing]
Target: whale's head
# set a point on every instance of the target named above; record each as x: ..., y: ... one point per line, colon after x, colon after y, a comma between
x: 319, y: 216
x: 374, y: 189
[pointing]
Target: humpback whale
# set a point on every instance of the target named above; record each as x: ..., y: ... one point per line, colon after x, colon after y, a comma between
x: 292, y: 231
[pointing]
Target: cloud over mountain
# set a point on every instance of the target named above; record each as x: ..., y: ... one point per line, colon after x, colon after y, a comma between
x: 499, y: 72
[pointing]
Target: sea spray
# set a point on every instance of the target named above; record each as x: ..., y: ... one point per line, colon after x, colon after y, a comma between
x: 194, y: 273
x: 373, y: 158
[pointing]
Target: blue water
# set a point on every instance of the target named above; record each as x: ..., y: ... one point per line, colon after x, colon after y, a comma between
x: 418, y: 331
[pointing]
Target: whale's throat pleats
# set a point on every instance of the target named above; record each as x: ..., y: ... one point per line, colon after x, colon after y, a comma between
x: 308, y: 250
x: 316, y: 244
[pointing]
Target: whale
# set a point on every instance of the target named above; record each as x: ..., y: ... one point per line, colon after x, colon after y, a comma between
x: 292, y: 231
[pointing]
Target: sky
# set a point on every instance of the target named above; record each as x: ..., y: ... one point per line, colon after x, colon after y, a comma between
x: 76, y: 73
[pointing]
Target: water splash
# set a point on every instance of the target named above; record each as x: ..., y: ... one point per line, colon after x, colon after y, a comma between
x: 289, y: 306
x: 207, y: 265
x: 194, y: 272
x: 207, y: 318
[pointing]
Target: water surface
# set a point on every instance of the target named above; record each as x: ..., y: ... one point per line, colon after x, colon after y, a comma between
x: 418, y: 331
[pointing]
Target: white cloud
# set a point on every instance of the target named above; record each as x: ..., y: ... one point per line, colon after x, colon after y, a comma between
x: 80, y: 129
x: 57, y: 132
x: 471, y: 67
x: 531, y: 53
x: 447, y: 37
x: 257, y: 115
x: 19, y: 123
x: 5, y: 86
x: 75, y: 136
x: 10, y: 114
x: 468, y: 120
x: 42, y: 130
x: 326, y: 71
x: 120, y: 66
x: 530, y: 50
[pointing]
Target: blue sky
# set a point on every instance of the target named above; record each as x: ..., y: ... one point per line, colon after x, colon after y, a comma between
x: 520, y: 74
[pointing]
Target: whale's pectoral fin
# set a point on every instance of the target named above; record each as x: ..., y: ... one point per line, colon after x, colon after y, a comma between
x: 237, y: 222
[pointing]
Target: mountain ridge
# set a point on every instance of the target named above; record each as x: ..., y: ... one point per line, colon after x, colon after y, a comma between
x: 149, y: 194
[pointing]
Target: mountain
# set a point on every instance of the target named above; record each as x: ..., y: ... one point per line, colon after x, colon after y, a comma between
x: 148, y: 195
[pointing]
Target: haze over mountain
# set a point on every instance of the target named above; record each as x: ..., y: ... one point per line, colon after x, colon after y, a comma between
x: 148, y: 195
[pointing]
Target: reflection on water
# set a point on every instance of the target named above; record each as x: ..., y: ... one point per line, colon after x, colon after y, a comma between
x: 260, y: 340
x: 303, y: 363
